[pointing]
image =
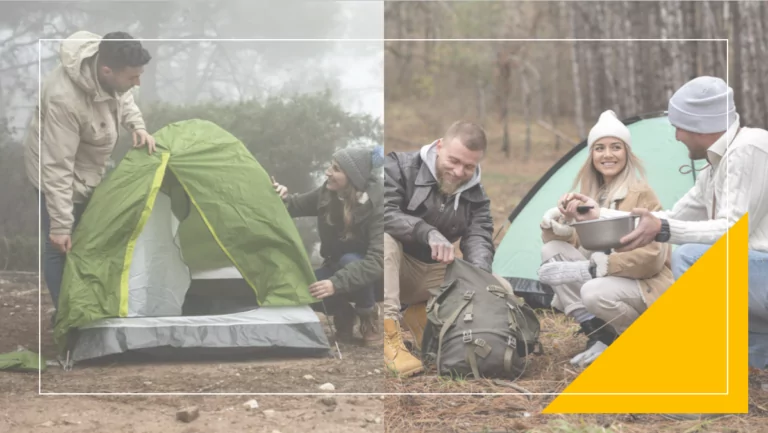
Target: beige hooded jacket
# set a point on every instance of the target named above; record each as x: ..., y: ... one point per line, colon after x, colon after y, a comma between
x: 79, y: 122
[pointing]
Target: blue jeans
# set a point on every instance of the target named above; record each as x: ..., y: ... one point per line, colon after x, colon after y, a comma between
x: 686, y: 255
x: 364, y: 298
x: 53, y: 259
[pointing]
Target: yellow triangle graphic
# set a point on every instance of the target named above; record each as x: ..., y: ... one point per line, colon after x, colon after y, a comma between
x: 679, y: 356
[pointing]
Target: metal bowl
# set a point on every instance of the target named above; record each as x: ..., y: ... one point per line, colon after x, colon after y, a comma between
x: 604, y: 234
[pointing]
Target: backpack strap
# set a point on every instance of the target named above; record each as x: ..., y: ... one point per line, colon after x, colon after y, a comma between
x: 475, y: 347
x: 511, y: 357
x: 447, y: 324
x: 469, y: 349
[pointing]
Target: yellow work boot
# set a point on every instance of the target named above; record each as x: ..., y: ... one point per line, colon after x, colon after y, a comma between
x: 415, y: 318
x: 396, y: 356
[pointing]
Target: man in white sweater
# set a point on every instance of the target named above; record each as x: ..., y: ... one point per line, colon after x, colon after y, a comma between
x: 734, y: 183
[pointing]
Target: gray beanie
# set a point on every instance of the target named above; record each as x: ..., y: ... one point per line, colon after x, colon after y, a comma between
x: 703, y: 105
x: 357, y: 163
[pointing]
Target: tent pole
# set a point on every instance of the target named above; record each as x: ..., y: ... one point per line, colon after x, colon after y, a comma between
x: 503, y: 226
x: 333, y: 331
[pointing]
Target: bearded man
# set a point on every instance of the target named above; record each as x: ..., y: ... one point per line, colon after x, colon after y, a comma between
x: 433, y: 198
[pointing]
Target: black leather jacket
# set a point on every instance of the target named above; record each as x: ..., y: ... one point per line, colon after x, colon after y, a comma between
x: 414, y: 206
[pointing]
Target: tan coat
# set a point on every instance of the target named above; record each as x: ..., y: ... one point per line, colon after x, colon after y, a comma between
x: 79, y: 123
x: 649, y: 265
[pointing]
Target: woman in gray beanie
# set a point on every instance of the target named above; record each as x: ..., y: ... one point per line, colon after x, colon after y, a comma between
x: 349, y: 207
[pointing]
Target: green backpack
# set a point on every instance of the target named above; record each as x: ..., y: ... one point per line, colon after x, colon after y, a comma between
x: 475, y: 325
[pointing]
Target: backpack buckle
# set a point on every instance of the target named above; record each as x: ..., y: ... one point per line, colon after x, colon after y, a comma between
x: 512, y: 342
x: 466, y: 336
x: 497, y: 290
x: 468, y: 295
x: 482, y: 349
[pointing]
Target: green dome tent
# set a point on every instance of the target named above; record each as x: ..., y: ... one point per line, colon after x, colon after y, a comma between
x: 199, y: 215
x: 519, y: 254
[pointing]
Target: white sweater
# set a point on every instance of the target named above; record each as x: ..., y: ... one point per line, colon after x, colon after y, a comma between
x: 737, y: 179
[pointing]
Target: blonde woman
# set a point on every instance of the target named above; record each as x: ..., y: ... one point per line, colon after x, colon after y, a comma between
x: 605, y: 293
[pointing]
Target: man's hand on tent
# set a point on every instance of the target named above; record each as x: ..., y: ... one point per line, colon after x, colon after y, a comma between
x: 647, y: 228
x: 141, y: 138
x: 442, y: 250
x: 63, y: 243
x: 322, y: 289
x: 281, y: 190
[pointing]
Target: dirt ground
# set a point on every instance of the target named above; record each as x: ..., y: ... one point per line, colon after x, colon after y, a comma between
x: 22, y: 409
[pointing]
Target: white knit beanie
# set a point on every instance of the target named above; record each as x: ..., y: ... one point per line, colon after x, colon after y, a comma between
x: 608, y: 125
x: 703, y: 105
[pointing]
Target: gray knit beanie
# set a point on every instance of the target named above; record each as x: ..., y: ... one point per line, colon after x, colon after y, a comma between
x: 703, y: 105
x: 358, y: 162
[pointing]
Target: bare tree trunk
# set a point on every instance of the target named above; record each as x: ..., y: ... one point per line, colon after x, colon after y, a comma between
x: 732, y: 20
x: 480, y: 86
x: 555, y: 76
x: 526, y: 91
x: 681, y: 58
x: 504, y: 66
x: 632, y: 53
x: 745, y: 60
x: 758, y: 47
x: 655, y: 68
x: 578, y: 99
x: 608, y: 59
x: 667, y: 47
x: 714, y: 58
x: 591, y: 78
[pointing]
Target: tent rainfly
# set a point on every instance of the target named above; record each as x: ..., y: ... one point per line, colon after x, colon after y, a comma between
x: 188, y: 249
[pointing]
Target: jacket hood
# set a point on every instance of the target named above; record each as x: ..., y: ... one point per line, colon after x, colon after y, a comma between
x: 73, y: 52
x: 428, y: 154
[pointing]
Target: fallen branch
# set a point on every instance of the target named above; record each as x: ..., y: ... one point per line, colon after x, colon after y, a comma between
x: 514, y: 386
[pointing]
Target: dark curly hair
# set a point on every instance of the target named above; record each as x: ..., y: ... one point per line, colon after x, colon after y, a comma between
x: 118, y: 54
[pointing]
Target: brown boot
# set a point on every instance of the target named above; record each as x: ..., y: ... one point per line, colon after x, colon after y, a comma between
x: 396, y: 356
x: 369, y: 325
x: 415, y: 319
x: 344, y: 322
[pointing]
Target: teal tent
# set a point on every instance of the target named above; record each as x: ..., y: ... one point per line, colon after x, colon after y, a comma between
x: 519, y: 254
x: 167, y: 238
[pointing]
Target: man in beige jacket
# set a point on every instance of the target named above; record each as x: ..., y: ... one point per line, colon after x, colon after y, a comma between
x: 83, y: 103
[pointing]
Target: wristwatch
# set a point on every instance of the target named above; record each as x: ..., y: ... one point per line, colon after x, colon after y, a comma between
x: 592, y: 269
x: 664, y: 233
